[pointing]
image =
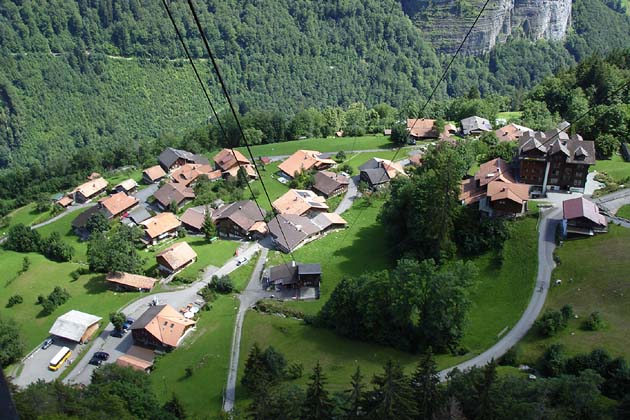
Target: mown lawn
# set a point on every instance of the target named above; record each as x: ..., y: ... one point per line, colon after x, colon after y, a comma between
x: 63, y: 226
x: 117, y: 177
x: 359, y: 159
x: 509, y: 115
x: 594, y: 274
x: 27, y: 216
x: 499, y: 296
x: 615, y: 167
x: 274, y: 187
x: 89, y: 293
x: 624, y: 211
x: 241, y: 276
x: 207, y: 351
x: 330, y: 144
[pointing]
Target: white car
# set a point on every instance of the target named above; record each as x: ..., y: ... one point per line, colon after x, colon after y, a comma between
x: 241, y: 261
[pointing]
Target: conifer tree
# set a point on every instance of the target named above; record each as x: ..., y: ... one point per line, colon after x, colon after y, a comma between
x: 255, y: 377
x: 208, y: 228
x: 354, y: 408
x: 317, y: 405
x: 175, y: 407
x: 392, y: 397
x: 425, y: 383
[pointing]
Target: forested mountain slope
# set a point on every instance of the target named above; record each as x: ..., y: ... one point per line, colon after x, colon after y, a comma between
x: 107, y: 77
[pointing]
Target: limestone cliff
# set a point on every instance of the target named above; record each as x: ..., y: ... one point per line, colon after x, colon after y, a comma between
x: 445, y: 22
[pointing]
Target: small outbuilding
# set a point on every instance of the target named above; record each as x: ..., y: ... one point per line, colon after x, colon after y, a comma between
x: 176, y: 257
x: 76, y: 326
x: 131, y: 282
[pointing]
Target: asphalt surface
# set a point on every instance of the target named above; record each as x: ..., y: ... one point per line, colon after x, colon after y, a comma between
x: 546, y: 245
x: 252, y: 294
x: 36, y: 363
x: 350, y: 196
x: 116, y: 347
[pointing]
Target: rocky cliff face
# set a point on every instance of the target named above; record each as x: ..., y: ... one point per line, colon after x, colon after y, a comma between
x: 445, y: 22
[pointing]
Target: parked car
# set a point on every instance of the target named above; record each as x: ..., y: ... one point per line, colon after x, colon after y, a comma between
x: 117, y: 333
x: 95, y: 361
x: 102, y: 355
x: 128, y: 323
x: 241, y: 261
x: 47, y: 343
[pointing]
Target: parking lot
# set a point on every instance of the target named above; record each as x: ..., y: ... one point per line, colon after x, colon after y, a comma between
x: 36, y: 365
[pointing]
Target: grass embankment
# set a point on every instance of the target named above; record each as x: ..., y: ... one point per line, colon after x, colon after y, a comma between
x: 594, y: 274
x: 510, y: 115
x: 118, y: 176
x: 624, y: 211
x: 207, y: 352
x: 26, y: 215
x: 499, y: 296
x: 615, y: 167
x: 329, y: 144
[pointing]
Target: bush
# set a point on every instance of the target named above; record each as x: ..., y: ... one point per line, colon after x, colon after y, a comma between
x: 22, y: 239
x: 594, y: 322
x: 14, y: 300
x: 222, y: 285
x: 57, y: 297
x: 207, y: 294
x: 183, y: 279
x: 510, y: 358
x: 294, y: 371
x: 55, y: 249
x: 75, y: 275
x: 553, y: 361
x: 12, y: 347
x: 553, y: 321
x: 273, y: 307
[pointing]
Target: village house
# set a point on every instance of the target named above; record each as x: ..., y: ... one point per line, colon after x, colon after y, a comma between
x: 130, y: 282
x: 422, y: 129
x: 330, y: 184
x: 171, y: 159
x: 229, y: 161
x: 153, y: 174
x: 128, y: 186
x: 193, y: 218
x: 136, y: 216
x: 511, y: 132
x: 377, y: 172
x: 137, y: 358
x: 65, y: 201
x: 189, y: 173
x: 301, y: 203
x: 75, y: 326
x: 173, y: 192
x: 304, y: 161
x: 116, y: 204
x: 90, y: 189
x: 295, y: 276
x: 242, y: 219
x: 175, y: 258
x: 495, y: 191
x: 160, y: 227
x: 289, y: 231
x: 475, y: 126
x: 161, y: 327
x: 554, y: 159
x: 79, y: 224
x: 581, y: 217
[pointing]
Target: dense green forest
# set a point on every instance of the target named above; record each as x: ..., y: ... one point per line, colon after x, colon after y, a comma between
x: 99, y: 83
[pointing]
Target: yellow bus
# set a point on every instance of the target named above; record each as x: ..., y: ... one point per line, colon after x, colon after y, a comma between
x: 61, y: 356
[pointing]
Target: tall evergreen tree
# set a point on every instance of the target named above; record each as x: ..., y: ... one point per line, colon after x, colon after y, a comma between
x: 317, y: 405
x: 255, y: 377
x: 485, y: 408
x: 425, y: 383
x: 208, y: 228
x: 392, y: 397
x: 354, y: 407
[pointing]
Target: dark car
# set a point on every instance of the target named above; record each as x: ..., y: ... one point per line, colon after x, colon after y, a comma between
x: 117, y: 333
x: 47, y: 343
x: 96, y: 362
x: 101, y: 355
x: 128, y: 323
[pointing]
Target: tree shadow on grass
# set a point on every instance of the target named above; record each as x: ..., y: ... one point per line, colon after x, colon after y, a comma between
x: 96, y: 284
x: 368, y: 251
x: 199, y: 242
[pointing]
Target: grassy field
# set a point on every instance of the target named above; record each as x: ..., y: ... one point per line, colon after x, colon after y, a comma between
x: 624, y: 211
x: 359, y: 159
x: 207, y: 351
x: 509, y: 115
x: 117, y: 177
x: 26, y: 215
x: 274, y: 187
x: 330, y: 144
x: 240, y: 277
x: 615, y: 167
x: 500, y: 295
x: 594, y: 274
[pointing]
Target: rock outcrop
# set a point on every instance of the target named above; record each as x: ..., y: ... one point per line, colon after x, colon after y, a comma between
x: 445, y: 22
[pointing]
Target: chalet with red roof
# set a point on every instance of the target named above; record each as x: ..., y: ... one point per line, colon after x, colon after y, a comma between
x: 581, y: 217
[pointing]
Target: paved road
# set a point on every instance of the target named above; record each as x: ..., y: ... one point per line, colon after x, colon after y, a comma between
x: 546, y: 245
x: 82, y: 371
x: 351, y: 195
x: 276, y: 158
x: 144, y: 194
x: 253, y: 292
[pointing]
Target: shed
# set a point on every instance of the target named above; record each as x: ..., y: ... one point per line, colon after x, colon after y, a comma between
x: 75, y: 326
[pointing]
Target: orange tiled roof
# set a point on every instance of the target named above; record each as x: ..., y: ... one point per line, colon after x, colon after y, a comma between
x: 511, y: 132
x: 178, y: 255
x: 168, y: 326
x: 131, y: 280
x: 118, y: 203
x: 499, y: 190
x: 299, y: 202
x: 65, y: 201
x: 422, y: 127
x: 161, y: 223
x: 92, y: 187
x: 154, y: 172
x: 304, y: 160
x: 494, y: 169
x: 225, y: 159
